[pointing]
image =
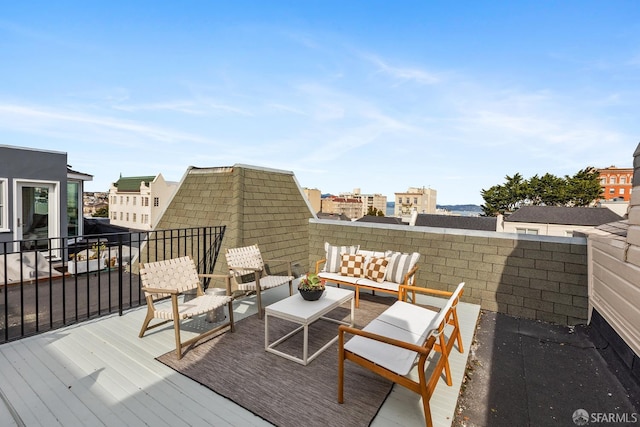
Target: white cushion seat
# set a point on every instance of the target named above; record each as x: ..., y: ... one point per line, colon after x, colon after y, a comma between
x: 402, y: 321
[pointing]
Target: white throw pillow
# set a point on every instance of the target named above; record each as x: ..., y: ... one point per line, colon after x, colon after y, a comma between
x: 333, y: 254
x: 399, y: 265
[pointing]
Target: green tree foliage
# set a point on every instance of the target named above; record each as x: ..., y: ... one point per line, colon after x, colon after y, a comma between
x: 581, y: 189
x: 374, y: 211
x: 101, y: 213
x: 584, y: 187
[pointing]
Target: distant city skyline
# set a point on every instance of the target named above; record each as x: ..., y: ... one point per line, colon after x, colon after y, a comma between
x: 380, y: 96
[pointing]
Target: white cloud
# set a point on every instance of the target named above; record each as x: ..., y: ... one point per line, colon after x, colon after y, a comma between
x: 40, y: 119
x: 404, y: 73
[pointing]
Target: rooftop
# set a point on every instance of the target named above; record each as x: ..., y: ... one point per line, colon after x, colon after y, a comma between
x: 99, y: 372
x: 563, y: 215
x: 520, y: 372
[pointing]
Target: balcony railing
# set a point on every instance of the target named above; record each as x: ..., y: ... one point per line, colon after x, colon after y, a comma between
x: 88, y: 276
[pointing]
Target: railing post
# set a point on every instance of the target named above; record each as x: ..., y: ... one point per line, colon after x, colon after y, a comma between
x: 120, y: 281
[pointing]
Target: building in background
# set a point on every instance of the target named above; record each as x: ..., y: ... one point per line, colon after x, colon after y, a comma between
x: 616, y: 182
x: 137, y: 202
x: 94, y: 201
x: 369, y: 201
x: 348, y: 206
x: 314, y: 196
x: 420, y: 200
x: 555, y: 220
x: 40, y: 197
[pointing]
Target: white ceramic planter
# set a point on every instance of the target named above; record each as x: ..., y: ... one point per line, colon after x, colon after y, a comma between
x: 80, y: 267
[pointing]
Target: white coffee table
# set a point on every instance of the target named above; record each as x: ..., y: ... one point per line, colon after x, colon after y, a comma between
x: 297, y: 310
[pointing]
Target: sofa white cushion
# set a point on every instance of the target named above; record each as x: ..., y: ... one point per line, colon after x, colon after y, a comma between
x: 337, y: 277
x: 390, y: 286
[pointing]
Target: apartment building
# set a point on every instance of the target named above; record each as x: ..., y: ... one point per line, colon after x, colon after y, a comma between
x: 314, y: 196
x: 137, y: 202
x: 616, y: 182
x: 348, y: 206
x: 421, y: 200
x: 377, y: 201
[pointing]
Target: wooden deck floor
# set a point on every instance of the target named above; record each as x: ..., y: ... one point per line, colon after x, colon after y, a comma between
x: 100, y: 373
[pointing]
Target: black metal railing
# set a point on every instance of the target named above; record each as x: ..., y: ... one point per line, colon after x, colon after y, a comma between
x: 88, y: 276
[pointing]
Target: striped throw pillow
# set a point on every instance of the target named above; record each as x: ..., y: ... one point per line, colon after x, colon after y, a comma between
x: 352, y: 265
x: 333, y: 255
x: 376, y: 269
x: 399, y: 265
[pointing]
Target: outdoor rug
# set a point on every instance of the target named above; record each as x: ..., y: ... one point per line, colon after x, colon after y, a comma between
x: 283, y: 392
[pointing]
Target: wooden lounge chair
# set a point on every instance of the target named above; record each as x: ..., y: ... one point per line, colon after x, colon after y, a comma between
x: 390, y: 344
x: 248, y: 261
x: 170, y: 279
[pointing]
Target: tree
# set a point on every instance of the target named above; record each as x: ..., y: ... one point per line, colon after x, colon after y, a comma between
x: 374, y: 211
x: 548, y: 190
x: 101, y: 213
x: 505, y: 198
x: 582, y: 189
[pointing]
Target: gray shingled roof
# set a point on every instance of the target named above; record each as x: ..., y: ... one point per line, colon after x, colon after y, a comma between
x: 453, y: 221
x: 381, y: 219
x: 132, y: 183
x: 563, y: 215
x: 339, y: 217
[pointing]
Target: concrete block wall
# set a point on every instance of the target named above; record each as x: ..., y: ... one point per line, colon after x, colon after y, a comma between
x: 537, y: 277
x: 257, y: 205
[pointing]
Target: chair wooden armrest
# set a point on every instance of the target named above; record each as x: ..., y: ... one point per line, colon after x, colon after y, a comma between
x: 234, y: 268
x: 319, y: 263
x: 405, y: 289
x: 408, y: 278
x: 160, y: 290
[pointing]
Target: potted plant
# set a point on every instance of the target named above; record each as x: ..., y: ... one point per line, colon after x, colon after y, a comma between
x: 311, y: 287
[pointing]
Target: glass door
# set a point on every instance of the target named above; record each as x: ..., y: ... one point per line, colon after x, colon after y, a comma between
x: 36, y: 215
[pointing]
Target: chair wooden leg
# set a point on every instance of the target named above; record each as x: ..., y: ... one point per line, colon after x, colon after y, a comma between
x: 340, y: 367
x: 427, y: 411
x: 231, y: 324
x: 444, y: 353
x: 259, y: 300
x: 176, y: 325
x: 144, y: 325
x: 176, y: 328
x: 425, y: 389
x: 456, y: 326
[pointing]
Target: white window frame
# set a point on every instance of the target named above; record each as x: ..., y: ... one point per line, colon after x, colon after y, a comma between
x: 54, y: 214
x: 4, y: 205
x: 524, y: 230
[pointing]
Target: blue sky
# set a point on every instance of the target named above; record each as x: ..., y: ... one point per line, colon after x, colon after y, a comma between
x: 377, y: 95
